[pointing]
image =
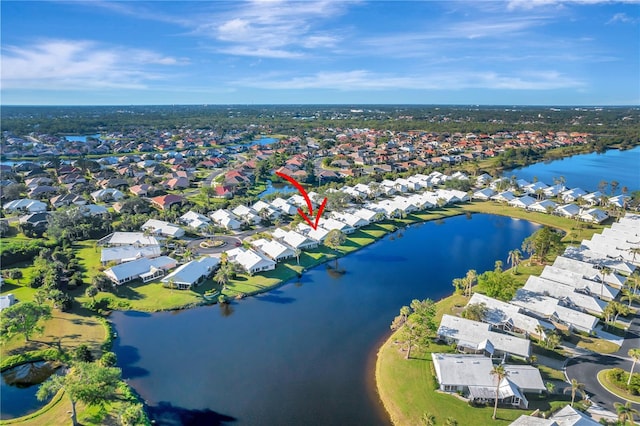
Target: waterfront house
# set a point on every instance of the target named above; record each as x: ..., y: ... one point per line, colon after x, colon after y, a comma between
x: 567, y: 416
x: 544, y: 206
x: 250, y: 260
x: 143, y: 268
x: 565, y: 293
x: 483, y: 194
x: 294, y: 239
x: 193, y: 273
x: 522, y: 202
x: 274, y: 249
x: 594, y: 215
x: 568, y: 210
x: 476, y: 337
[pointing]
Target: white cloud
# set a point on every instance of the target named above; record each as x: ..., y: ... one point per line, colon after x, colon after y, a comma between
x: 274, y: 28
x: 531, y: 4
x: 622, y: 18
x: 365, y: 80
x: 68, y: 64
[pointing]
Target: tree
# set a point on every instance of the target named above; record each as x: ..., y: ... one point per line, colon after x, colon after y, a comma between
x: 551, y: 340
x: 223, y: 275
x: 23, y: 318
x: 83, y: 353
x: 450, y: 422
x: 500, y: 373
x: 475, y: 311
x: 92, y: 292
x: 428, y: 419
x: 625, y: 412
x: 297, y: 252
x: 416, y: 324
x: 335, y: 238
x: 542, y: 242
x: 514, y: 258
x: 629, y: 295
x: 604, y: 271
x: 576, y: 387
x: 635, y: 354
x: 86, y: 382
x: 131, y: 414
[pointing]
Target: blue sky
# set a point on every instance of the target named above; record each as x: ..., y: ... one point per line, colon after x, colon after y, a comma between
x: 529, y: 52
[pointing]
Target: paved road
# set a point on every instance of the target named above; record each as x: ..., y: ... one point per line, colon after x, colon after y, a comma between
x: 586, y: 367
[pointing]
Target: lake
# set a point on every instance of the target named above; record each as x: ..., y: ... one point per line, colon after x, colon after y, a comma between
x: 262, y: 141
x: 80, y: 138
x: 277, y: 187
x: 305, y: 352
x: 587, y: 170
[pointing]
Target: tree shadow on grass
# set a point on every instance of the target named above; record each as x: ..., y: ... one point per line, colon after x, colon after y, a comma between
x: 167, y: 414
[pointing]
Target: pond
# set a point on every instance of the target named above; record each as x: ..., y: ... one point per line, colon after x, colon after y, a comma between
x: 277, y: 187
x: 588, y: 170
x: 303, y: 353
x: 19, y: 386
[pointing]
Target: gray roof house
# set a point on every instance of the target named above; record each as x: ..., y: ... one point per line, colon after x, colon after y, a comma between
x: 568, y: 416
x: 471, y: 375
x: 121, y: 254
x: 136, y: 239
x: 566, y: 294
x: 476, y: 337
x: 579, y: 283
x: 588, y: 270
x: 143, y: 268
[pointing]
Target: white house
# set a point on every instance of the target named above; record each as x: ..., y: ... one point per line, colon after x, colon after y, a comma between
x: 274, y: 249
x: 568, y: 210
x: 143, y: 268
x: 107, y: 194
x: 594, y: 215
x: 136, y: 239
x: 330, y: 224
x: 471, y: 376
x: 588, y: 271
x: 193, y: 273
x: 522, y: 202
x: 121, y: 254
x: 566, y: 293
x: 476, y: 337
x: 247, y: 214
x: 568, y: 416
x: 572, y: 194
x: 226, y: 219
x: 284, y: 206
x: 543, y: 206
x: 250, y: 260
x: 295, y: 240
x: 160, y: 227
x: 579, y: 283
x: 351, y: 219
x: 483, y: 194
x: 503, y: 197
x: 7, y: 300
x: 195, y: 220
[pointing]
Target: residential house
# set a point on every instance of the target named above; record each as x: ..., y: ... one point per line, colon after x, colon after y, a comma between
x: 593, y: 215
x: 121, y: 254
x: 284, y: 206
x: 522, y: 202
x: 141, y: 190
x: 193, y: 273
x: 143, y: 268
x: 136, y: 239
x: 568, y: 210
x: 483, y: 194
x: 160, y: 227
x: 250, y: 260
x: 567, y: 416
x: 566, y: 294
x: 195, y: 220
x: 579, y: 283
x: 108, y: 194
x: 226, y: 219
x: 67, y: 200
x: 274, y: 249
x: 544, y: 206
x: 7, y: 300
x: 476, y: 337
x: 165, y: 202
x: 471, y: 376
x: 25, y: 205
x: 589, y: 271
x: 294, y: 239
x: 503, y: 197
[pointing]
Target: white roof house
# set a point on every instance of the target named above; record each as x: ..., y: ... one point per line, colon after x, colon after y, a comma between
x: 543, y: 206
x: 532, y: 188
x: 192, y: 273
x: 250, y: 260
x: 610, y: 249
x: 195, y: 220
x: 274, y: 249
x: 550, y: 308
x: 579, y: 282
x: 247, y: 214
x: 509, y: 317
x: 25, y: 204
x: 471, y: 375
x: 226, y: 219
x: 572, y: 194
x: 568, y: 210
x: 319, y: 234
x: 619, y: 201
x: 144, y: 268
x: 484, y: 194
x: 568, y: 416
x: 160, y: 227
x: 593, y: 215
x: 504, y: 197
x: 366, y: 214
x: 599, y: 259
x: 554, y: 190
x: 295, y: 240
x: 330, y: 224
x: 121, y: 254
x: 107, y: 193
x: 284, y: 206
x: 477, y: 336
x: 350, y: 219
x: 271, y: 211
x: 589, y: 271
x: 593, y: 198
x: 7, y: 300
x: 136, y: 239
x: 566, y: 294
x: 522, y: 202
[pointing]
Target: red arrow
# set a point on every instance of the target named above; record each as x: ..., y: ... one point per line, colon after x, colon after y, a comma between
x: 313, y: 224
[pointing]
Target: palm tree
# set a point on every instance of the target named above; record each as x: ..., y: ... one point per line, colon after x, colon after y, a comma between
x: 428, y: 419
x: 635, y: 354
x: 634, y: 251
x: 604, y: 270
x: 576, y: 387
x: 625, y: 412
x: 500, y: 373
x: 450, y: 422
x: 469, y: 280
x: 515, y: 257
x: 223, y: 275
x: 630, y: 295
x: 297, y: 252
x: 541, y: 332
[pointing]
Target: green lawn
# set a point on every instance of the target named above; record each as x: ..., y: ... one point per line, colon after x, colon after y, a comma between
x: 604, y: 381
x: 407, y: 389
